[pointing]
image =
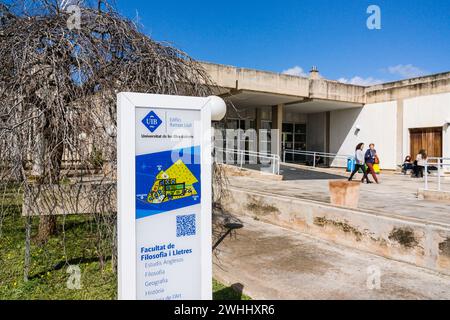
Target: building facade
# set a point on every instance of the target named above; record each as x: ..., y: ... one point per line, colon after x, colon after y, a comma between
x: 316, y: 114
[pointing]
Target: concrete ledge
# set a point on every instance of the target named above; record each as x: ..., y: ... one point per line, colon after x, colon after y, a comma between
x: 435, y: 195
x: 408, y: 240
x: 269, y: 82
x: 409, y: 88
x: 234, y: 171
x: 87, y: 198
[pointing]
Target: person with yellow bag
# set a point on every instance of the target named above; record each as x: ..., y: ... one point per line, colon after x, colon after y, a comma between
x: 371, y: 158
x: 376, y: 165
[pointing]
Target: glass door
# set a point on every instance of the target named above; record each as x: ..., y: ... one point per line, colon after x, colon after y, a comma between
x: 287, y: 142
x: 300, y: 141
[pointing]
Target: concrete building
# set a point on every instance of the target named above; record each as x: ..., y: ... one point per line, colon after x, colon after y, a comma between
x: 317, y: 114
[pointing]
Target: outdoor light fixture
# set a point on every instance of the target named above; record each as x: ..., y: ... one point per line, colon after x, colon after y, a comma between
x: 447, y: 124
x: 357, y: 129
x: 230, y: 225
x: 218, y: 108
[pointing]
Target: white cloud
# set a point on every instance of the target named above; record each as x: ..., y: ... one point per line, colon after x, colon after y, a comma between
x: 402, y: 70
x: 295, y: 71
x: 370, y: 81
x: 406, y: 71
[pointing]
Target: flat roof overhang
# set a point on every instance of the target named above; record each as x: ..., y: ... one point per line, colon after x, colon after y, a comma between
x: 249, y: 99
x: 319, y: 105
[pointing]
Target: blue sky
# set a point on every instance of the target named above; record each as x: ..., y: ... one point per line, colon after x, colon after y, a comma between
x: 294, y: 35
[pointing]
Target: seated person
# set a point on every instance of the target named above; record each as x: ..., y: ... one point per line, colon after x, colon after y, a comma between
x: 407, y: 165
x: 319, y: 161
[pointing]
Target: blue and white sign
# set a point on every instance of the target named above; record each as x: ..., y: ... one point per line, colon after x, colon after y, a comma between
x: 152, y: 121
x: 164, y: 196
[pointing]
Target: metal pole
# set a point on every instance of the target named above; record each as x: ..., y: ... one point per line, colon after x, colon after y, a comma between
x: 439, y: 174
x: 279, y: 165
x: 314, y: 161
x: 240, y: 157
x: 426, y: 176
x: 273, y: 164
x: 221, y: 238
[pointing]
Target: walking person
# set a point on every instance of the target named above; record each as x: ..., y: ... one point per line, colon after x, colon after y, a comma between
x: 420, y: 163
x: 371, y: 158
x: 359, y: 158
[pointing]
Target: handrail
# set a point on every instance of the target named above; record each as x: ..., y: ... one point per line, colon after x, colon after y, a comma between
x: 274, y: 158
x: 315, y: 154
x: 440, y: 163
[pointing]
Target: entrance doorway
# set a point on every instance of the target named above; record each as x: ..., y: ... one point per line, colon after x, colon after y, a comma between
x: 294, y: 138
x: 429, y: 139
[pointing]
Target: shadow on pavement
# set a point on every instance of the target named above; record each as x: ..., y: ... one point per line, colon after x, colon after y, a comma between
x: 234, y: 292
x: 290, y: 173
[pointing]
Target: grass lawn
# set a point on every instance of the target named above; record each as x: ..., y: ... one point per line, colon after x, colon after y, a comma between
x: 49, y: 264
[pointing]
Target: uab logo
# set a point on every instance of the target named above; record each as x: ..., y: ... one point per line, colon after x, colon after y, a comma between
x: 152, y: 121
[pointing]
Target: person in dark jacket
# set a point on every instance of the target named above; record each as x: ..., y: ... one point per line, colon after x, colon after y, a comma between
x: 359, y: 164
x: 370, y: 158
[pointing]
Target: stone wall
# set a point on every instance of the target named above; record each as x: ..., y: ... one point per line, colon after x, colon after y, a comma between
x: 404, y: 239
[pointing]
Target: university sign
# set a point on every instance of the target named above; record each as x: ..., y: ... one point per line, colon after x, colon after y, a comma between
x: 164, y: 195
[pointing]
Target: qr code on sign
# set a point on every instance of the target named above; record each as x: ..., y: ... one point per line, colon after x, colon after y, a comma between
x: 186, y: 225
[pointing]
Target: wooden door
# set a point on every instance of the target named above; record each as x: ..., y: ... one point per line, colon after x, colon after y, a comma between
x: 429, y: 139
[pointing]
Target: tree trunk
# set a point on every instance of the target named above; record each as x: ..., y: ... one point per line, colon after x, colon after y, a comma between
x: 47, y: 166
x: 47, y: 228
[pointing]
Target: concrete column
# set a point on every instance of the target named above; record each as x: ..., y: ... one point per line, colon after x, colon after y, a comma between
x: 258, y: 124
x: 327, y: 136
x: 258, y: 120
x: 277, y: 123
x: 327, y: 131
x: 400, y: 134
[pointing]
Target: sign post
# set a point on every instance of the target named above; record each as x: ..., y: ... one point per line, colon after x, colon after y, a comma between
x: 164, y: 196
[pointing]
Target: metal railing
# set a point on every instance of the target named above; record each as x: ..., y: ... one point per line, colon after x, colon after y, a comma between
x: 315, y: 155
x: 241, y: 160
x: 441, y: 164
